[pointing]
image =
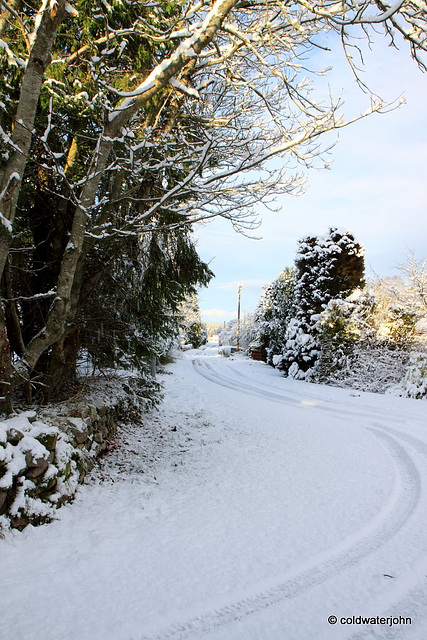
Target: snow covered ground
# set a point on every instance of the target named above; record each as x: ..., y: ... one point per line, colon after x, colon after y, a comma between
x: 251, y: 507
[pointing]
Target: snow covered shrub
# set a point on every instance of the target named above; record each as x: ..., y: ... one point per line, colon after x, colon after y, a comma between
x: 400, y: 325
x: 335, y: 340
x: 229, y: 334
x: 414, y: 384
x: 342, y: 325
x: 273, y: 313
x: 355, y: 350
x: 374, y: 368
x: 327, y: 267
x: 301, y: 348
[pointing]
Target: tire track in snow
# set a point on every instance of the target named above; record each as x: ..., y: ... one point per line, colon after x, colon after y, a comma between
x: 414, y: 598
x: 415, y: 595
x: 415, y: 443
x: 362, y: 543
x: 412, y: 603
x: 374, y: 414
x: 206, y: 370
x: 325, y: 404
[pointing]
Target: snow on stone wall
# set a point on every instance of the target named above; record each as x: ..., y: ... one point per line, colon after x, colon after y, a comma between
x: 45, y: 455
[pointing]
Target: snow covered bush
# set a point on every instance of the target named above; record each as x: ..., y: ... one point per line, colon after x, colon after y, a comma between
x: 327, y: 267
x: 273, y: 313
x: 363, y: 345
x: 229, y: 334
x: 301, y: 348
x: 342, y: 325
x: 375, y: 368
x: 414, y: 384
x: 335, y: 337
x: 400, y: 325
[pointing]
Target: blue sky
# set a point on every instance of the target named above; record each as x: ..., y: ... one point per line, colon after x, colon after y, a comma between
x: 376, y: 188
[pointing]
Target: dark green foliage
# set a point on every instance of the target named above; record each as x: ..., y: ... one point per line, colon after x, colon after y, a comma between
x: 134, y: 314
x: 327, y: 267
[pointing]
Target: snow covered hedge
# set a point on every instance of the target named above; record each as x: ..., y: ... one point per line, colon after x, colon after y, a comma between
x: 45, y: 455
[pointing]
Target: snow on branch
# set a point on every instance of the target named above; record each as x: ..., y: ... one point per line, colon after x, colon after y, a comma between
x: 189, y: 91
x: 13, y: 59
x: 185, y: 51
x: 37, y: 296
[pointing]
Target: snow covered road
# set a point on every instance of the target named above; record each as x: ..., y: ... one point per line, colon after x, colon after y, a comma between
x: 252, y: 507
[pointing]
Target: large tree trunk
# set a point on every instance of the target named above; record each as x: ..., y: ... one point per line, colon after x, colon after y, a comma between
x: 62, y: 370
x: 12, y: 175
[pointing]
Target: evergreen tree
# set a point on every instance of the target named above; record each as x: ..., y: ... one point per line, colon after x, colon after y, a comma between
x: 343, y: 325
x: 274, y: 310
x: 191, y: 329
x: 138, y: 306
x: 327, y: 267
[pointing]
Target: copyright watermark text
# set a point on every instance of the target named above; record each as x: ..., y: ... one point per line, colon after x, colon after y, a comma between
x: 388, y: 621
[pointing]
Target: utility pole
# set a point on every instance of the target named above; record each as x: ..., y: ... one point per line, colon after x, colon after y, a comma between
x: 239, y: 289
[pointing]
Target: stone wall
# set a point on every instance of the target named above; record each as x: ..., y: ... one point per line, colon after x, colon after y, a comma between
x: 44, y: 455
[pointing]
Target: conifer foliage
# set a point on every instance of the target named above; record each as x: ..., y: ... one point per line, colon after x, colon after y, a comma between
x: 273, y: 313
x: 327, y: 267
